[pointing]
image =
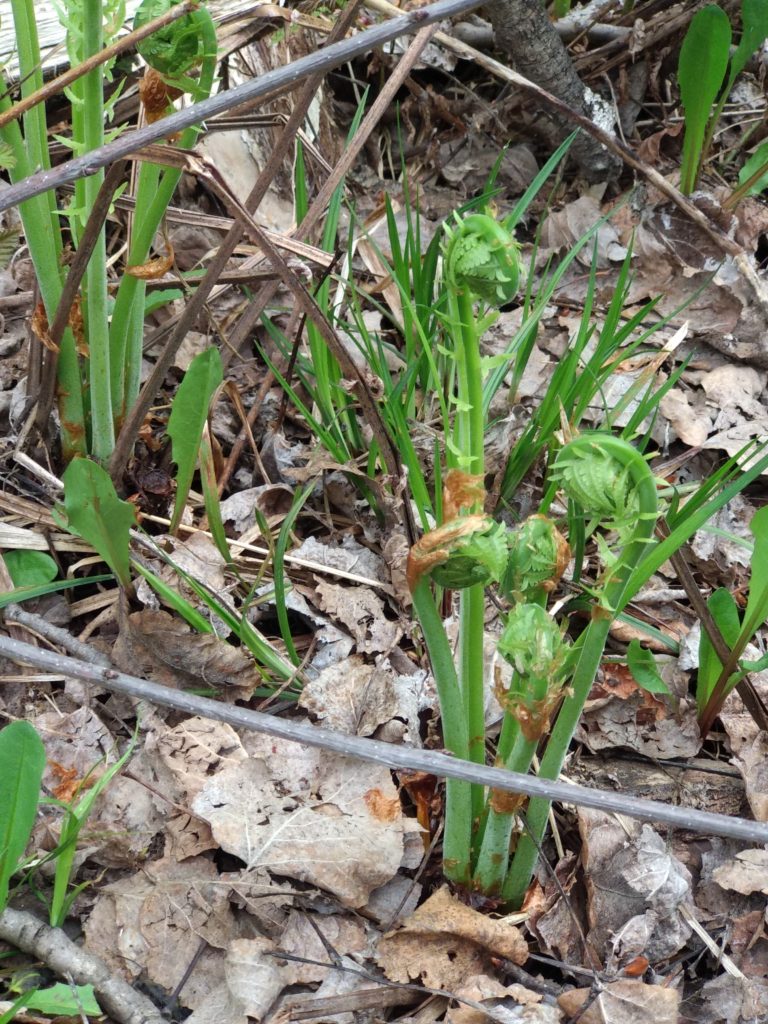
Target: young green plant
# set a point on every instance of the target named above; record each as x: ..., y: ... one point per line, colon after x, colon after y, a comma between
x: 705, y: 58
x: 715, y: 680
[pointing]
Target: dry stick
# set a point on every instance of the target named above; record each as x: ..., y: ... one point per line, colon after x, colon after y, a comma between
x: 56, y: 85
x: 52, y: 946
x: 726, y: 244
x: 386, y: 754
x: 192, y: 309
x: 744, y: 687
x: 71, y: 287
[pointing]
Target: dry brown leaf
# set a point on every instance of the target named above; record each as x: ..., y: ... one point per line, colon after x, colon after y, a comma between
x: 195, y: 750
x: 492, y: 994
x: 746, y: 874
x: 620, y: 714
x: 564, y: 227
x: 254, y: 977
x: 623, y: 1002
x: 345, y: 935
x: 444, y: 943
x: 629, y: 879
x: 357, y: 698
x: 159, y: 646
x: 153, y: 921
x: 362, y: 612
x: 308, y: 815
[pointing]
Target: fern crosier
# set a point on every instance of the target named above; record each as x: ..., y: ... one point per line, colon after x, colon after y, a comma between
x: 595, y: 479
x: 179, y: 47
x: 482, y: 257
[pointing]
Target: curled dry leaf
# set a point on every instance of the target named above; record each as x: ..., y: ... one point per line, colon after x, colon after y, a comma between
x: 161, y: 647
x: 154, y: 268
x: 444, y: 943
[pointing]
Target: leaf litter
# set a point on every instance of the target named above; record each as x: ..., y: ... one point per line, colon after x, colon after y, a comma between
x: 250, y: 848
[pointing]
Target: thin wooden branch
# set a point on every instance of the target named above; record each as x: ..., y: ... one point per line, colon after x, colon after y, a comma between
x: 388, y: 754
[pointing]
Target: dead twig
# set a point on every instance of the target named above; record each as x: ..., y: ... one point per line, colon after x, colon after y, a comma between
x: 50, y: 945
x: 377, y: 752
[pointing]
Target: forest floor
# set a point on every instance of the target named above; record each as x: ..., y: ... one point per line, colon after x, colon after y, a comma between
x: 229, y: 875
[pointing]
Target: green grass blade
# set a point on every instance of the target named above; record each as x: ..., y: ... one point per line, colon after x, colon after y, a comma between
x: 188, y: 417
x: 21, y: 594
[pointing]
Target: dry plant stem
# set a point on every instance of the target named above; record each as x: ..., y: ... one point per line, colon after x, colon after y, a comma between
x: 388, y: 754
x: 77, y: 269
x: 57, y: 85
x: 744, y: 687
x: 135, y: 417
x: 51, y: 946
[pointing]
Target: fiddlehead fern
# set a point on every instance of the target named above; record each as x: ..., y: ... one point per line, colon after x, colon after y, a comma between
x: 482, y: 258
x: 611, y: 480
x: 179, y: 47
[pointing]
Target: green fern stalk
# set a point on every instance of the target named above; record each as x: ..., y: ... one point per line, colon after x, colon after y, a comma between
x: 612, y: 482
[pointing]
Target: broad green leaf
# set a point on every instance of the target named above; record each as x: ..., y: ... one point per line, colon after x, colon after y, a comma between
x: 22, y: 761
x: 187, y: 419
x: 758, y: 160
x: 30, y: 568
x: 95, y: 513
x: 642, y: 665
x: 63, y: 1000
x: 725, y: 612
x: 754, y: 29
x: 700, y: 72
